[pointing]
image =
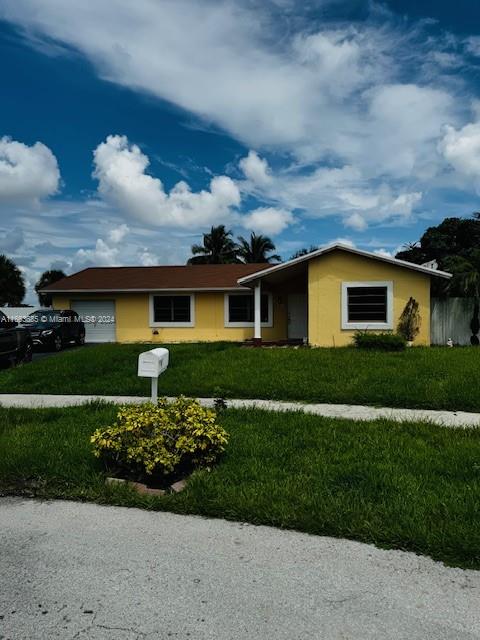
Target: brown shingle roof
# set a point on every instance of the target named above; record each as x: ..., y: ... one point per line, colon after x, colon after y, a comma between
x: 208, y: 276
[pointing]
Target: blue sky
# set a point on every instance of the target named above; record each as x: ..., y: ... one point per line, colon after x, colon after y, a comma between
x: 130, y: 128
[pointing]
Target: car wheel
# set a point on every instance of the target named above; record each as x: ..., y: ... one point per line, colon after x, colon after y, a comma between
x: 80, y: 339
x: 57, y: 343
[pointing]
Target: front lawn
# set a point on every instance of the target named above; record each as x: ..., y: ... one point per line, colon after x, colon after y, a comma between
x: 436, y: 378
x: 405, y: 486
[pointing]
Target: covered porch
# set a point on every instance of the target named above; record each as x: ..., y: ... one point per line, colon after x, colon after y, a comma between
x: 290, y: 286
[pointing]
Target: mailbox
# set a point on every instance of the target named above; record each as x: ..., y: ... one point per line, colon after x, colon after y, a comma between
x: 150, y: 365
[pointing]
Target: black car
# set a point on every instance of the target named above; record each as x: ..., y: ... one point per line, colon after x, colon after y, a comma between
x: 15, y: 342
x: 54, y: 328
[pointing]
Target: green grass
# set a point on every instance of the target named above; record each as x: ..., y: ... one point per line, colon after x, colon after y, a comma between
x: 437, y: 378
x: 405, y: 486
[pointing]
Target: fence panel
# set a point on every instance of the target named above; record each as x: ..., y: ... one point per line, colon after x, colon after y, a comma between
x: 450, y: 318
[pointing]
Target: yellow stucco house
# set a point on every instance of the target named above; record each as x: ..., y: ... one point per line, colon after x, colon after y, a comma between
x: 321, y: 298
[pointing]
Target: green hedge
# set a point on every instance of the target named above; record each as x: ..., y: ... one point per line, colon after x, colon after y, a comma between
x: 379, y: 341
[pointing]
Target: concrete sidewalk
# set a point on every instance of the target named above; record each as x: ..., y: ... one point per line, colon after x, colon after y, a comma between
x: 91, y: 572
x: 459, y: 419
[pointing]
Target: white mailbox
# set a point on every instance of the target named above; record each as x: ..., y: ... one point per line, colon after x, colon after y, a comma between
x: 151, y: 364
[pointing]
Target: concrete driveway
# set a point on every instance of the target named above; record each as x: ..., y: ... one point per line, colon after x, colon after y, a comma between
x: 71, y: 570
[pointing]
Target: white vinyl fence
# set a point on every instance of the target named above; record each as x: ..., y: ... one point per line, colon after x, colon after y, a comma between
x: 450, y: 318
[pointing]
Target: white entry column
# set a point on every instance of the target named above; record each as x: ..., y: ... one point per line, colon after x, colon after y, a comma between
x: 257, y: 336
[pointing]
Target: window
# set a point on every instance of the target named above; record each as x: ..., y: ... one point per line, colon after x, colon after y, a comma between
x: 240, y: 310
x: 367, y: 305
x: 171, y: 311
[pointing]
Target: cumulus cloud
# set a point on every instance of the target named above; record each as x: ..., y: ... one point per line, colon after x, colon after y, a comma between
x: 117, y: 234
x: 461, y: 148
x: 102, y: 255
x: 267, y: 220
x: 27, y: 173
x: 146, y: 259
x: 120, y: 168
x: 328, y: 191
x: 255, y: 169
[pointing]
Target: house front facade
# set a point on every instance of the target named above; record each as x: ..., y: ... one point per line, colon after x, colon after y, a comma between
x: 321, y: 299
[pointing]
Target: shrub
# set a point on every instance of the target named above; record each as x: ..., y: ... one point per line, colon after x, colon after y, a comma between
x: 410, y: 321
x: 160, y: 439
x: 379, y: 341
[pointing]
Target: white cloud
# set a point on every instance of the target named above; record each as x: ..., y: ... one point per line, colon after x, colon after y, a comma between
x: 27, y: 174
x: 356, y: 111
x: 101, y: 256
x: 461, y: 148
x: 404, y: 204
x: 384, y: 253
x: 312, y: 90
x: 405, y: 122
x: 117, y: 234
x: 12, y: 240
x: 472, y: 45
x: 342, y: 191
x: 146, y: 259
x: 255, y: 169
x: 356, y: 221
x: 268, y: 220
x: 120, y: 168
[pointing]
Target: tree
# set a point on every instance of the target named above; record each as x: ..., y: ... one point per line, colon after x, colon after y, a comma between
x: 47, y: 277
x: 303, y: 252
x: 12, y: 284
x: 256, y: 249
x: 409, y: 323
x: 218, y: 248
x: 449, y: 243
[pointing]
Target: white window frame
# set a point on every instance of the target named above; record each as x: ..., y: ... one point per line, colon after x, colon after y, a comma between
x: 172, y: 324
x: 232, y: 325
x: 367, y: 325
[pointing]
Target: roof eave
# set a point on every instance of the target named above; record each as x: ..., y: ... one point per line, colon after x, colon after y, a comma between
x: 148, y: 290
x: 314, y: 254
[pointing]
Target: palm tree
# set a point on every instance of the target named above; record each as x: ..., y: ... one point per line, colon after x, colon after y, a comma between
x: 218, y: 248
x: 47, y: 277
x: 12, y: 284
x: 256, y: 249
x: 304, y: 252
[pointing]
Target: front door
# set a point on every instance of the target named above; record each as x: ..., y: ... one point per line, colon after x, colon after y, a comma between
x: 297, y: 316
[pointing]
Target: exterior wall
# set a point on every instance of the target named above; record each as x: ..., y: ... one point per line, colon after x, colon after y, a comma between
x: 325, y: 277
x: 132, y: 319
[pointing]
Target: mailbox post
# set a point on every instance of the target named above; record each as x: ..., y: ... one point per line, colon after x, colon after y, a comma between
x: 150, y: 365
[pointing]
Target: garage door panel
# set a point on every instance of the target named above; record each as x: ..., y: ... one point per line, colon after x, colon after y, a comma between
x: 99, y: 319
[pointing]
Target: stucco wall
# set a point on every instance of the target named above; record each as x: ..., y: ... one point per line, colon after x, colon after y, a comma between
x: 132, y: 319
x: 325, y: 277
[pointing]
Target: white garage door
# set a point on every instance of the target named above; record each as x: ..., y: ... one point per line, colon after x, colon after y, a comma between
x: 99, y: 319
